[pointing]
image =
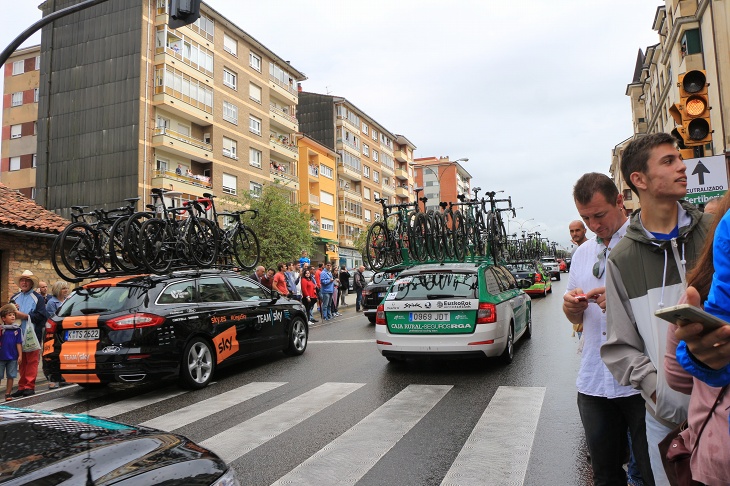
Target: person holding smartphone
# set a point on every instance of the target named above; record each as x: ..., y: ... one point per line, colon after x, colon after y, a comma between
x: 607, y: 409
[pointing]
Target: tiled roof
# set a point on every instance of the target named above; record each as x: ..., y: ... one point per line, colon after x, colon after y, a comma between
x: 22, y: 213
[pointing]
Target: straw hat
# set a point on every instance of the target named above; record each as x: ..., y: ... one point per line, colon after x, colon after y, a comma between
x: 29, y: 275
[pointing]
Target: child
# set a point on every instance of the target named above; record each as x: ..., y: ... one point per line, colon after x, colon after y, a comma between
x: 11, y: 347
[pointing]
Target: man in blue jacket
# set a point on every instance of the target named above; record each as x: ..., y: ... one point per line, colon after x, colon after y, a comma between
x: 328, y: 287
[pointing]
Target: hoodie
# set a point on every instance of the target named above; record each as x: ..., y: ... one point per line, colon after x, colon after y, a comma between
x: 643, y: 275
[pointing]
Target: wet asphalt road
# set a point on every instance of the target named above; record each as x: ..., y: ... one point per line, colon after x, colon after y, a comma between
x: 343, y: 351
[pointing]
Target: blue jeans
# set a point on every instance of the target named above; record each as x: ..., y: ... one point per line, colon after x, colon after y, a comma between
x: 358, y: 299
x: 605, y: 421
x: 326, y: 302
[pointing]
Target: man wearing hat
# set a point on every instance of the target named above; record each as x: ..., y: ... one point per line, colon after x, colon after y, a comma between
x: 31, y: 310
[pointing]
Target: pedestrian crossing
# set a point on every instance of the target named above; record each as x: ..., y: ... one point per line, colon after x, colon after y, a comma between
x: 504, y: 433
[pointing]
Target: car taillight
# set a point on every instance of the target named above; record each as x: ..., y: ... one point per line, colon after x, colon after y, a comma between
x: 487, y: 313
x: 50, y: 327
x: 133, y: 321
x: 538, y: 278
x: 380, y: 315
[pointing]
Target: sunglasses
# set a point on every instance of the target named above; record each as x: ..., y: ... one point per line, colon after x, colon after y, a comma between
x: 599, y: 268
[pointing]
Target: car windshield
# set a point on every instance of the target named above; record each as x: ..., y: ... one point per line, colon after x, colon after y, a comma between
x: 521, y: 267
x: 435, y: 286
x: 102, y: 300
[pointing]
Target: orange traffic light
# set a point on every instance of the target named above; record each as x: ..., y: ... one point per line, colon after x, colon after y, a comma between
x: 693, y: 110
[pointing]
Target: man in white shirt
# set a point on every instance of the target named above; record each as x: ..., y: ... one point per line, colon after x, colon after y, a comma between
x: 606, y: 407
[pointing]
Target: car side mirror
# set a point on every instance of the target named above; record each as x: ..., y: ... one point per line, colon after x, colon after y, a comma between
x: 523, y: 283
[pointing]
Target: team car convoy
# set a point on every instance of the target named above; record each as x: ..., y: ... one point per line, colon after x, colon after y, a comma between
x: 184, y: 325
x: 533, y: 271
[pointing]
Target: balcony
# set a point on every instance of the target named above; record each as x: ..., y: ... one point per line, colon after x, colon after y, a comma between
x: 313, y: 171
x: 282, y: 118
x: 388, y: 189
x: 174, y: 88
x: 400, y: 155
x: 350, y: 217
x: 314, y: 226
x: 285, y: 179
x: 349, y: 146
x: 386, y: 148
x: 182, y: 145
x: 387, y: 169
x: 348, y: 170
x: 401, y: 192
x: 346, y: 241
x: 401, y: 174
x: 343, y: 120
x: 195, y: 185
x: 352, y: 194
x: 282, y: 147
x: 287, y: 90
x: 313, y: 200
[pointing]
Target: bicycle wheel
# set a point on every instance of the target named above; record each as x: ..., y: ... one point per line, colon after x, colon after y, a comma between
x: 437, y: 237
x: 131, y: 238
x: 447, y: 238
x: 376, y: 246
x: 246, y: 248
x: 117, y: 251
x: 501, y: 240
x: 78, y: 248
x: 156, y: 253
x: 417, y: 236
x: 202, y: 240
x: 57, y: 263
x: 460, y: 238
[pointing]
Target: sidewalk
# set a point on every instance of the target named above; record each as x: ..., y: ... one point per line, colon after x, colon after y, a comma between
x: 41, y: 384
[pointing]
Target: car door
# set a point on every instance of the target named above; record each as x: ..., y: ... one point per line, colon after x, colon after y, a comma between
x: 511, y: 296
x: 264, y: 325
x: 220, y: 308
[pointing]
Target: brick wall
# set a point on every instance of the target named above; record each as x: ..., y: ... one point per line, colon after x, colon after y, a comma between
x: 19, y: 253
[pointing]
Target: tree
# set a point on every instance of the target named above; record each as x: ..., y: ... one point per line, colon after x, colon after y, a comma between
x: 281, y: 227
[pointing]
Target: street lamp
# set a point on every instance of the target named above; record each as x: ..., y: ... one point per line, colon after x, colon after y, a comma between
x: 509, y: 219
x: 522, y: 224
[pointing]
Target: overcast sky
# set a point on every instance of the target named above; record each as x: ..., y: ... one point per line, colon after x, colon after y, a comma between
x: 532, y: 92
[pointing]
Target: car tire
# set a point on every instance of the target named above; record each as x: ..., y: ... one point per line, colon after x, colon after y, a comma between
x: 509, y: 350
x: 528, y: 327
x: 197, y: 364
x: 371, y: 319
x: 550, y: 290
x: 297, y: 337
x: 544, y: 291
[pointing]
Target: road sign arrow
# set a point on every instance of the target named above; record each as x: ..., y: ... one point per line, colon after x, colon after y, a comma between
x: 701, y: 170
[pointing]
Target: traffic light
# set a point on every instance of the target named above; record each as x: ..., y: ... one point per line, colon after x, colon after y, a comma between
x: 693, y: 109
x: 183, y: 12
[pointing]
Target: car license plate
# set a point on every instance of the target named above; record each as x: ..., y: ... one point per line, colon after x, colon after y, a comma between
x: 82, y: 334
x: 429, y: 316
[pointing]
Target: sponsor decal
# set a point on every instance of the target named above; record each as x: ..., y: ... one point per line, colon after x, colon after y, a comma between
x: 404, y: 281
x: 218, y: 319
x: 439, y: 304
x: 397, y: 317
x: 391, y: 296
x: 48, y: 346
x: 226, y: 344
x: 412, y: 305
x: 78, y: 355
x: 272, y: 317
x: 460, y: 317
x: 427, y: 305
x: 430, y: 328
x: 455, y: 304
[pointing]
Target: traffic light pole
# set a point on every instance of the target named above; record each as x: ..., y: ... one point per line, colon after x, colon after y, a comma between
x: 43, y: 22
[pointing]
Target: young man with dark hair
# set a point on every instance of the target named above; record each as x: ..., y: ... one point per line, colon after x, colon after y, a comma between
x: 606, y: 408
x: 646, y: 272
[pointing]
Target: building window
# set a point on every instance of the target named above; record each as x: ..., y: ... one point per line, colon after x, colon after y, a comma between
x: 627, y: 195
x: 255, y: 188
x: 374, y: 135
x: 367, y: 215
x: 35, y: 95
x: 376, y: 196
x: 255, y: 157
x: 34, y: 163
x: 326, y: 171
x: 38, y: 63
x: 229, y: 184
x: 18, y: 67
x: 254, y: 92
x: 162, y: 165
x: 32, y: 193
x: 366, y: 171
x: 254, y: 60
x: 15, y: 131
x: 376, y: 176
x: 230, y: 112
x: 328, y: 224
x: 366, y: 193
x: 375, y: 157
x: 35, y: 128
x: 327, y: 198
x: 229, y: 78
x: 229, y: 148
x: 366, y: 150
x: 17, y: 98
x: 14, y: 163
x: 364, y: 128
x: 230, y: 45
x: 254, y: 125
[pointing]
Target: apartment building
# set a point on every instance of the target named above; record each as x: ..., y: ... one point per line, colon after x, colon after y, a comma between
x: 18, y: 159
x: 692, y: 35
x: 441, y: 178
x: 404, y: 180
x: 318, y: 194
x: 127, y: 104
x: 366, y: 165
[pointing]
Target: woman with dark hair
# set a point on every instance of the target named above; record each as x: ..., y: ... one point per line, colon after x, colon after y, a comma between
x: 698, y: 365
x: 309, y: 293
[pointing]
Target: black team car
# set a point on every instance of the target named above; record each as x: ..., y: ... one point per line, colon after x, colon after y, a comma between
x: 374, y: 292
x: 183, y: 325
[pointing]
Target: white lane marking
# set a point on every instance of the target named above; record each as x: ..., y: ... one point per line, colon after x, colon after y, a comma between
x: 201, y: 410
x: 65, y: 401
x: 246, y: 436
x: 344, y: 341
x: 348, y: 458
x: 135, y: 403
x: 503, y: 437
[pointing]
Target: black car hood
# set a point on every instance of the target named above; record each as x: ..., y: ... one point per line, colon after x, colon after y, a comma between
x: 55, y: 448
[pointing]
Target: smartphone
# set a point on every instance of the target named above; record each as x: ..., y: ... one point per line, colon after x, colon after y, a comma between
x: 686, y: 314
x: 584, y: 298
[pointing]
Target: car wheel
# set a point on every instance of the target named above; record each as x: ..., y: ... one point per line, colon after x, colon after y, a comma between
x: 528, y: 326
x: 550, y: 290
x: 297, y: 338
x: 544, y: 291
x: 197, y: 364
x: 371, y: 319
x: 509, y: 350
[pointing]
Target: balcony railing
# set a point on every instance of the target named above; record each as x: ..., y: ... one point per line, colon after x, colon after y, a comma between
x: 285, y: 146
x: 282, y: 113
x: 349, y: 144
x: 314, y: 226
x: 283, y: 175
x: 314, y: 199
x: 352, y: 192
x: 196, y: 180
x: 313, y: 171
x: 184, y: 138
x: 290, y: 88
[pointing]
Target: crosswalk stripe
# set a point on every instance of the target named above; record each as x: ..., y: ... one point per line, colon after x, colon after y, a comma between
x: 246, y: 436
x: 198, y: 411
x: 348, y: 458
x: 56, y: 403
x: 503, y: 436
x: 135, y: 403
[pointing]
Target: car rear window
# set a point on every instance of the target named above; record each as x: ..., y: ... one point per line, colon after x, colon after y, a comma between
x: 98, y: 300
x: 435, y: 286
